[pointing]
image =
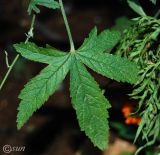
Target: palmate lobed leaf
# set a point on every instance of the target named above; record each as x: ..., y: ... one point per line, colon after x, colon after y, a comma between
x: 90, y: 105
x: 52, y: 4
x: 87, y: 98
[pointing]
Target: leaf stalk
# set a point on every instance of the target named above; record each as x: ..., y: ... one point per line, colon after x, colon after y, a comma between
x: 72, y: 48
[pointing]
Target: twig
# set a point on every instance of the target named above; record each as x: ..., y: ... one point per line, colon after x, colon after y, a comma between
x: 10, y: 67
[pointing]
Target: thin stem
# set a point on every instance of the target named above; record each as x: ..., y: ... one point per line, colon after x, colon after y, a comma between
x: 30, y: 32
x: 29, y: 35
x: 8, y: 72
x: 67, y: 26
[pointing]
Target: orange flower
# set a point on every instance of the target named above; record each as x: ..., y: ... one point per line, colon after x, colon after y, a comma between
x: 126, y: 110
x: 130, y: 120
x: 133, y: 120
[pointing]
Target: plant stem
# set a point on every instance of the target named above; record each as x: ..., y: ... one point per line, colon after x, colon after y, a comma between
x: 29, y: 35
x: 9, y: 70
x: 72, y: 49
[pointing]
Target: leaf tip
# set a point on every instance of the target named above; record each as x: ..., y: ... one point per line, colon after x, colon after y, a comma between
x: 19, y: 124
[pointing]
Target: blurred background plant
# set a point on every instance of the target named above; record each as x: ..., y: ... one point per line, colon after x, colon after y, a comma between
x: 140, y: 43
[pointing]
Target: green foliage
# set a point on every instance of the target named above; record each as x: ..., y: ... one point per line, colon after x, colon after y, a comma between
x: 105, y: 41
x: 92, y: 54
x: 44, y: 55
x: 155, y: 151
x: 38, y: 90
x: 135, y: 5
x: 141, y: 45
x: 154, y: 1
x: 90, y: 105
x: 87, y: 98
x: 107, y: 65
x: 52, y: 4
x: 120, y: 26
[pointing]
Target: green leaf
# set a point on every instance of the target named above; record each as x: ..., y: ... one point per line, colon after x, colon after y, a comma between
x: 100, y: 43
x: 140, y: 128
x: 38, y: 90
x: 119, y: 24
x: 87, y: 98
x: 111, y: 66
x: 44, y: 55
x: 154, y: 1
x: 52, y: 4
x: 135, y: 5
x: 90, y: 105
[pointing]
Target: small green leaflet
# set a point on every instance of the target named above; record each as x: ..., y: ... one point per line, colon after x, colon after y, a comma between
x: 135, y: 5
x: 87, y: 98
x: 52, y: 4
